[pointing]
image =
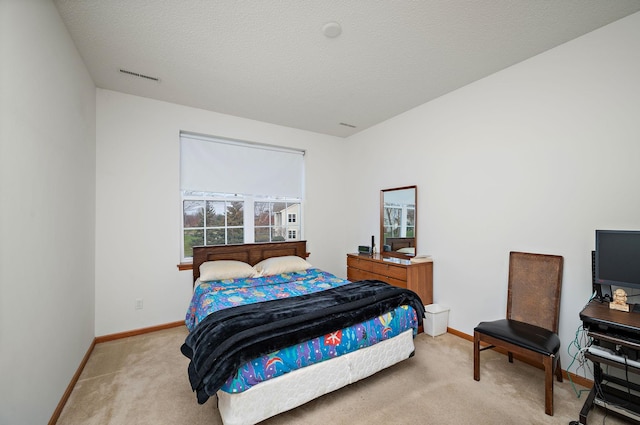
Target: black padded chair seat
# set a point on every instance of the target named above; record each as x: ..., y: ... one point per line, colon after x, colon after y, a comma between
x: 532, y: 337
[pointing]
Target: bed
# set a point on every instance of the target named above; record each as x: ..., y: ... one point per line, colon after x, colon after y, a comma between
x: 277, y: 341
x: 402, y: 245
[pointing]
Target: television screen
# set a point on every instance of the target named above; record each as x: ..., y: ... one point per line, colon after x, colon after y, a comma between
x: 618, y: 258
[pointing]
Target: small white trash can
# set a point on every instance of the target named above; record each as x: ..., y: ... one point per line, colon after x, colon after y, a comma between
x: 436, y: 319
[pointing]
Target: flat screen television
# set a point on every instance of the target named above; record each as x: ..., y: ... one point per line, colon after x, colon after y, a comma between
x: 617, y: 258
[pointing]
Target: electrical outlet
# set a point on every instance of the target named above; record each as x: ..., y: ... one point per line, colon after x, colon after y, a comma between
x: 139, y: 304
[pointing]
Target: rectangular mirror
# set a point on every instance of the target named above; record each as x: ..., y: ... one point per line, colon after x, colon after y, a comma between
x: 398, y: 221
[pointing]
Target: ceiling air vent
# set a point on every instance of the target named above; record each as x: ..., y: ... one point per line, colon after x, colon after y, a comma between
x: 347, y: 125
x: 135, y: 74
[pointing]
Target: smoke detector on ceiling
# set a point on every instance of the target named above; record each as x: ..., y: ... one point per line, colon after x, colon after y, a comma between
x: 331, y: 29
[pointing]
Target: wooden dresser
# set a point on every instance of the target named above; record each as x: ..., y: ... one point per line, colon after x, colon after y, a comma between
x: 417, y: 277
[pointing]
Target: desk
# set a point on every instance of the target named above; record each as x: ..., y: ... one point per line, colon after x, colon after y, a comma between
x: 619, y: 331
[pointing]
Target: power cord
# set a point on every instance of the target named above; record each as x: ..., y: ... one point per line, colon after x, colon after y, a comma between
x: 580, y: 343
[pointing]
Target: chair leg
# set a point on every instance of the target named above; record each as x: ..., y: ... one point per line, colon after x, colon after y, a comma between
x: 558, y: 369
x: 510, y: 355
x: 476, y: 356
x: 548, y: 385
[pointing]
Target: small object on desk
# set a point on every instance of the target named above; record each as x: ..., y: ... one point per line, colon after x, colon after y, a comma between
x: 619, y: 301
x: 363, y: 249
x: 396, y: 260
x: 421, y: 258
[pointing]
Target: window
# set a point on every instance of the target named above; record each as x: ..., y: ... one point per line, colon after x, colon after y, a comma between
x: 399, y: 221
x: 221, y: 219
x: 269, y: 220
x: 211, y: 220
x: 238, y: 192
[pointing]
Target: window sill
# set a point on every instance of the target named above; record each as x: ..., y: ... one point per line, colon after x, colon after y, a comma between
x: 185, y: 266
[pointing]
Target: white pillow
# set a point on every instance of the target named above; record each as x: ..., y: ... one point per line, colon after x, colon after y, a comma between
x: 225, y: 269
x: 279, y: 265
x: 407, y: 250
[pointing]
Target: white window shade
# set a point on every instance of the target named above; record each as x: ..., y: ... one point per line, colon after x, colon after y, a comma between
x: 218, y: 165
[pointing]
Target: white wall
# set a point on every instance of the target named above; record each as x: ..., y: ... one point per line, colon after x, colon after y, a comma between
x: 138, y: 203
x: 47, y: 214
x: 533, y: 158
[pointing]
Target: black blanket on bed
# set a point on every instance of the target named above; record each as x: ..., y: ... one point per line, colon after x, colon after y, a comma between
x: 228, y: 338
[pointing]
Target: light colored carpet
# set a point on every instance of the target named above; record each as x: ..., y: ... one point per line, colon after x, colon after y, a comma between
x: 143, y: 380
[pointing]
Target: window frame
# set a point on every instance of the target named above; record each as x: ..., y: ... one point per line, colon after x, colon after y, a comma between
x: 249, y: 225
x: 213, y: 167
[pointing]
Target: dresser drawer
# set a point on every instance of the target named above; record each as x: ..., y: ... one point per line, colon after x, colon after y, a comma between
x: 361, y: 264
x: 394, y: 282
x: 378, y: 267
x: 355, y: 275
x: 390, y: 270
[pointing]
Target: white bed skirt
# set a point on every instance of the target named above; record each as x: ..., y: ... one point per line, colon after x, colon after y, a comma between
x: 302, y: 385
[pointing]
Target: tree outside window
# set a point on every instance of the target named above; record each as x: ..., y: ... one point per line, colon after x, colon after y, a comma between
x: 212, y: 222
x: 399, y: 221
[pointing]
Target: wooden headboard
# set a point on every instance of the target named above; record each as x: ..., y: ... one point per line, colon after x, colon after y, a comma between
x: 251, y: 253
x: 398, y: 243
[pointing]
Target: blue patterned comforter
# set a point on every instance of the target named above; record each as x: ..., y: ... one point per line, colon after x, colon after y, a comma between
x: 218, y: 295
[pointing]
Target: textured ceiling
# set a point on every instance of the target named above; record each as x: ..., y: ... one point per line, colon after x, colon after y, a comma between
x: 270, y: 61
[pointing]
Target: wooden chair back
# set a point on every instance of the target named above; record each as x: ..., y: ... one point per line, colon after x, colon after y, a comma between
x: 534, y: 289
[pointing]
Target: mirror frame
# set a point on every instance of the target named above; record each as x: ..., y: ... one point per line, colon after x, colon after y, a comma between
x: 415, y: 231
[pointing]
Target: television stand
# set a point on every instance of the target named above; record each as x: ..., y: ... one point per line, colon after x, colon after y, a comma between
x: 616, y: 343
